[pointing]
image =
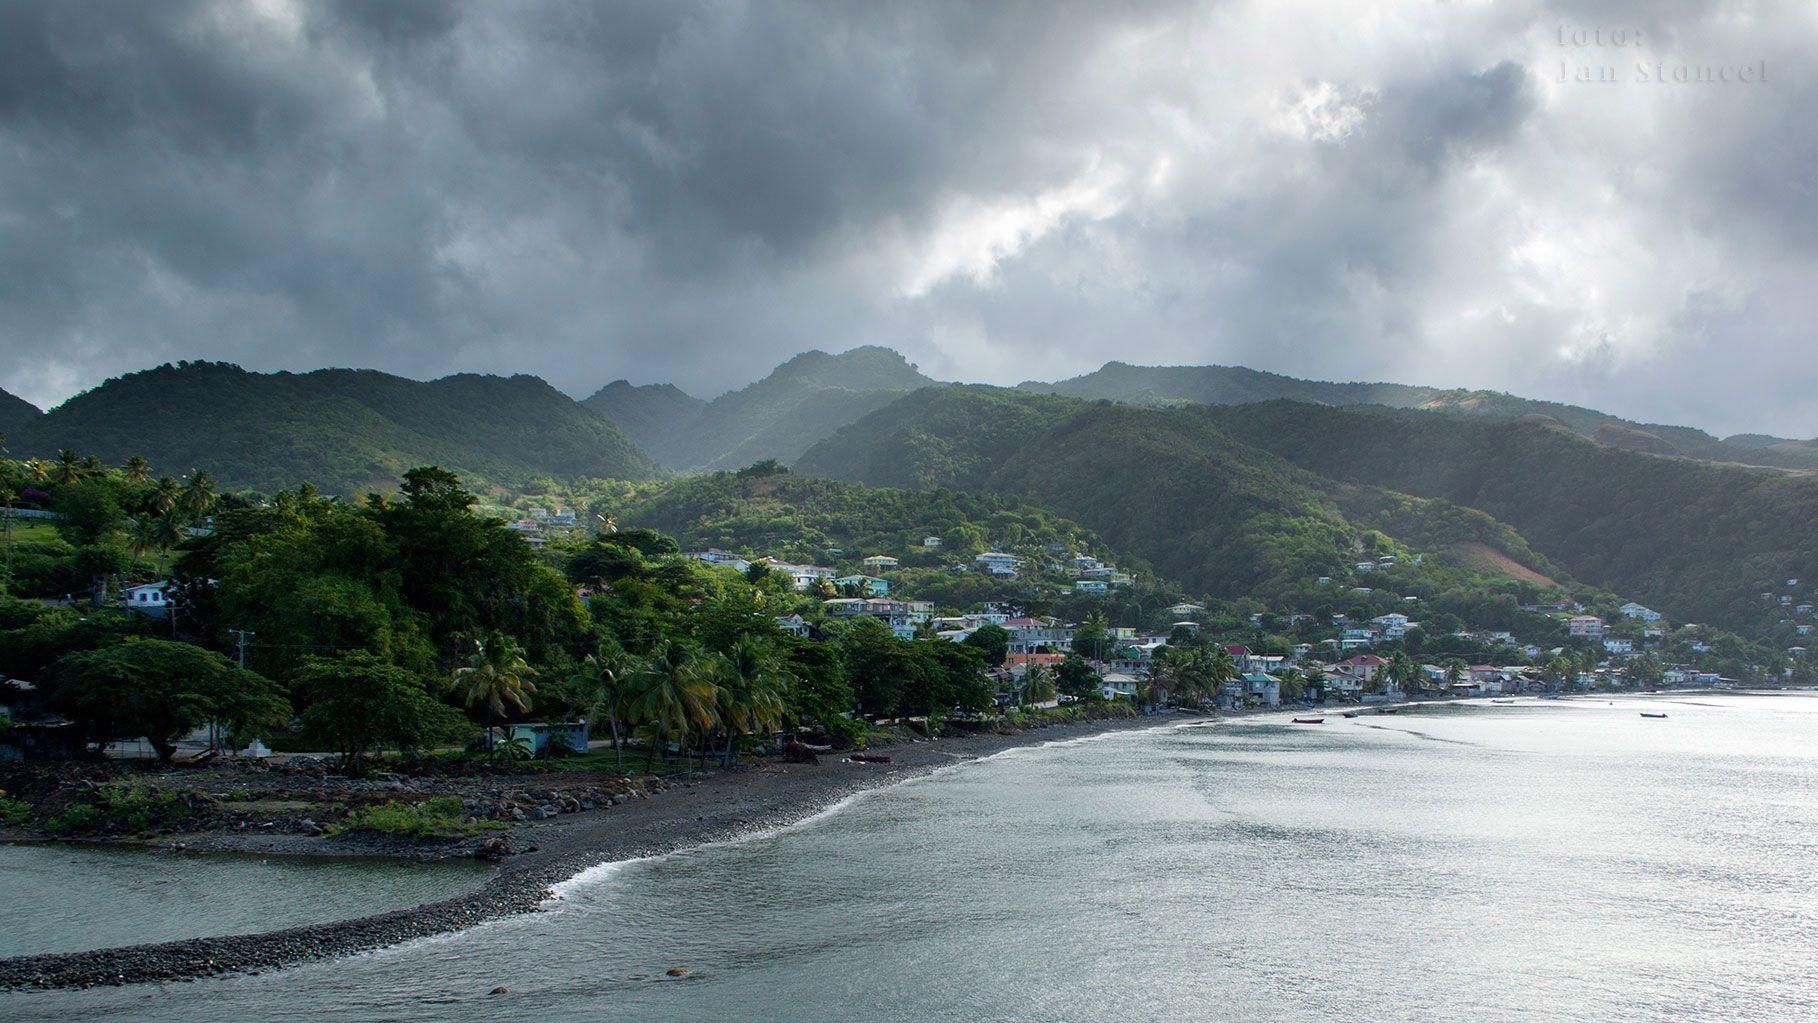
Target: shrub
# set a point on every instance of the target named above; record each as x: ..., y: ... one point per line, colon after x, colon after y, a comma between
x: 74, y: 821
x: 136, y: 808
x: 441, y: 817
x: 13, y: 812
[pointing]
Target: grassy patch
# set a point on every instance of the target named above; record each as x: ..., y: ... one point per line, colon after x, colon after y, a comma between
x: 441, y: 817
x: 75, y: 821
x: 130, y: 809
x: 14, y: 812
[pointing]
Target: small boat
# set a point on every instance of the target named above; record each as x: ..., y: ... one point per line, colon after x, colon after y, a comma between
x: 870, y: 758
x: 1352, y: 713
x: 1309, y: 721
x: 1502, y: 701
x: 1387, y: 710
x: 1645, y: 714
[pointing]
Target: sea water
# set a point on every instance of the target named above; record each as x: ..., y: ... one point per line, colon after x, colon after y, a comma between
x: 1542, y: 860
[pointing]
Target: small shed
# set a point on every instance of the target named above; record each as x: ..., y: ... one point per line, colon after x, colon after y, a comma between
x: 540, y: 733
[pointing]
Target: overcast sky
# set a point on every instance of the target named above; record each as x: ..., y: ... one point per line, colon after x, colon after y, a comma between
x: 695, y: 192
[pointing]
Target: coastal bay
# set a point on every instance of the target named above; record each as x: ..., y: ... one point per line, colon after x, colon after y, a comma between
x: 1463, y: 860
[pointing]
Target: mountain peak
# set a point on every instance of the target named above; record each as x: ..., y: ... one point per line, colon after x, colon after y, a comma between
x: 865, y: 368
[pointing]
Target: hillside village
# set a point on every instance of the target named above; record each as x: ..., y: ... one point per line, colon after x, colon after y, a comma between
x: 1274, y: 657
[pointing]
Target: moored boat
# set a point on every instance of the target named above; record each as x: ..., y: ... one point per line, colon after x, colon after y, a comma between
x: 1352, y: 713
x: 1387, y: 710
x: 1309, y: 721
x: 1645, y: 714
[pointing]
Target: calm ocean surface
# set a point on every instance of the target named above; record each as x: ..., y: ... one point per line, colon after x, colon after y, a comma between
x: 1563, y: 860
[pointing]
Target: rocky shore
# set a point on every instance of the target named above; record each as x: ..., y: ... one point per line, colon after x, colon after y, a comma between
x: 547, y: 848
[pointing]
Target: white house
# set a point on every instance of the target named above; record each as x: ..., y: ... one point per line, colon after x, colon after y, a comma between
x: 154, y: 600
x: 879, y: 563
x: 931, y: 541
x: 1186, y: 610
x: 793, y: 624
x: 1619, y: 645
x: 804, y: 576
x: 1115, y: 684
x: 1634, y: 610
x: 715, y: 556
x: 1585, y: 625
x: 1096, y: 587
x: 996, y: 563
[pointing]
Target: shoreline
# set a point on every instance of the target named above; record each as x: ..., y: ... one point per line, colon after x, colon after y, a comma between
x: 717, y: 807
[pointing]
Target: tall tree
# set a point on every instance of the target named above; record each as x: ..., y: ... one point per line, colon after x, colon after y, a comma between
x: 752, y: 683
x: 671, y: 698
x: 160, y: 690
x: 356, y: 701
x: 497, y: 679
x: 606, y: 671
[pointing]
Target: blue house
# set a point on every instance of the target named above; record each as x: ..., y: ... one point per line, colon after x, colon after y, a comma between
x: 539, y: 734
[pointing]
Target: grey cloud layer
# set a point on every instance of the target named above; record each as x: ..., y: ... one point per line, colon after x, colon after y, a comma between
x: 694, y: 192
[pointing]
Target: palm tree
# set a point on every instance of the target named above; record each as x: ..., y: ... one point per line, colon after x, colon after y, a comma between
x: 1220, y: 669
x: 37, y: 469
x: 1399, y: 669
x: 198, y: 497
x: 671, y: 697
x: 1038, y: 685
x: 163, y: 496
x: 607, y: 668
x: 136, y: 469
x: 751, y: 686
x: 498, y: 676
x: 68, y: 467
x: 1455, y: 671
x: 144, y: 535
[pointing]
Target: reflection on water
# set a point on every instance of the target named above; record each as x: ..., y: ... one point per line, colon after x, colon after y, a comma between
x: 1555, y: 860
x: 75, y: 898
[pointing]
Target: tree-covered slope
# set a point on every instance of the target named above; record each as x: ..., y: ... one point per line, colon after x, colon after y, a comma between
x: 780, y: 416
x: 1700, y: 540
x: 15, y: 412
x: 347, y: 431
x: 1236, y: 385
x: 794, y: 516
x: 1219, y: 515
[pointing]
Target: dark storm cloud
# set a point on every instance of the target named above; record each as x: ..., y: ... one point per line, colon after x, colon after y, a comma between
x: 697, y: 191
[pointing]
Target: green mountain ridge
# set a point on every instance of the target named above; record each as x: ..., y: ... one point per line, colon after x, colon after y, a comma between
x: 778, y: 417
x: 16, y: 412
x: 1220, y: 516
x: 1258, y: 497
x: 1236, y: 385
x: 347, y: 431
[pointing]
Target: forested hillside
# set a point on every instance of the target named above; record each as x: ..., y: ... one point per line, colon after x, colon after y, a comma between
x: 346, y: 431
x: 1221, y: 516
x: 780, y: 416
x: 1700, y: 539
x: 1253, y: 498
x: 1235, y: 385
x: 15, y: 412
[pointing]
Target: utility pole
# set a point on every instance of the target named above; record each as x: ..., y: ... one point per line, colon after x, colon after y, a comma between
x: 243, y: 635
x: 213, y: 727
